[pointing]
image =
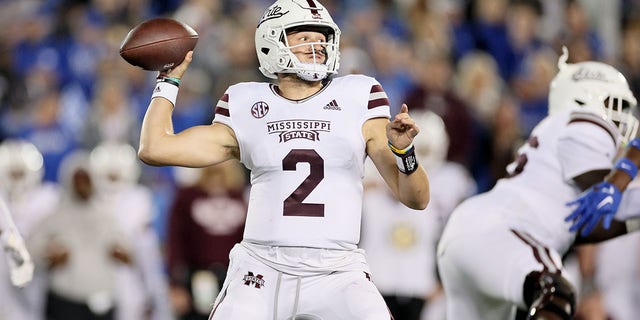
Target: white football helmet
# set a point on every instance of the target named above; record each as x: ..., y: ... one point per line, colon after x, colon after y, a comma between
x: 21, y: 166
x: 274, y: 53
x: 432, y: 144
x: 595, y: 87
x: 114, y: 165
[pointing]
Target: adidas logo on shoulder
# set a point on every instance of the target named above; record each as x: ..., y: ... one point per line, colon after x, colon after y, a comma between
x: 333, y: 105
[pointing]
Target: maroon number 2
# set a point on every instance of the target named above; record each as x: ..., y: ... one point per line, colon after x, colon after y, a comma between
x: 293, y: 205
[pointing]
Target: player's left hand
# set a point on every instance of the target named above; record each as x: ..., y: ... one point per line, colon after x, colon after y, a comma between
x: 600, y: 201
x: 402, y: 129
x: 19, y: 258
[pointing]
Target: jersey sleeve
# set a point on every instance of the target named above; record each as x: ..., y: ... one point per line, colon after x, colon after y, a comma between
x: 588, y: 143
x: 378, y: 103
x: 222, y: 114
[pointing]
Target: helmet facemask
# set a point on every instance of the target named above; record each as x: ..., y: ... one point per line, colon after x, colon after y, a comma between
x: 621, y: 112
x: 316, y: 70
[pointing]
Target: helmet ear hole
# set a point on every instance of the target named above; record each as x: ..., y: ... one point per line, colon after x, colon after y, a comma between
x: 265, y: 50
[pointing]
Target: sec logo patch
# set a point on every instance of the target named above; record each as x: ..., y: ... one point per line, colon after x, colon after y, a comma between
x: 259, y: 109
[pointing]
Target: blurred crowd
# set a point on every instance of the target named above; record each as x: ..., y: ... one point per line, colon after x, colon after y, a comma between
x: 482, y: 66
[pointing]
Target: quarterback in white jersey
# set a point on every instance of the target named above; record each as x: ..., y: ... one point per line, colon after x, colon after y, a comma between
x: 501, y: 250
x: 305, y: 139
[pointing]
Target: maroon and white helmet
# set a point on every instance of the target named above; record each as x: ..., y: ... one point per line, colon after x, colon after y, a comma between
x: 274, y: 53
x: 597, y: 88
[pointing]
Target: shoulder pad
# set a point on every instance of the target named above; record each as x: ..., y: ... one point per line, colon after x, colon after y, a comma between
x: 607, y: 125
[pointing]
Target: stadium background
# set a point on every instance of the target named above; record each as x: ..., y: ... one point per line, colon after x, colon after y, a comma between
x: 483, y: 65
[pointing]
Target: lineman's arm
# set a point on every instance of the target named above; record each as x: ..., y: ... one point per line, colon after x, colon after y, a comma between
x: 410, y: 189
x: 599, y: 233
x: 603, y: 199
x: 198, y: 146
x: 627, y: 218
x: 620, y: 178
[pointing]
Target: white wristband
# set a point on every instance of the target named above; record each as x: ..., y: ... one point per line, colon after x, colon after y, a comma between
x: 632, y: 224
x: 166, y: 90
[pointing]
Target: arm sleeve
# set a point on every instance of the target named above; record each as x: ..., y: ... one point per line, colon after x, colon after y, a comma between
x: 378, y: 103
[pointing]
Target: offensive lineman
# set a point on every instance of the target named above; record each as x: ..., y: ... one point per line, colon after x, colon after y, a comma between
x: 501, y: 250
x: 305, y: 140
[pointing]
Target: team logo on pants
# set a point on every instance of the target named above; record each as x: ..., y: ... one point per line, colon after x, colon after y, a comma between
x: 257, y: 281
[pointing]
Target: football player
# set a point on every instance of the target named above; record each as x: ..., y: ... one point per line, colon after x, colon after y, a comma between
x: 501, y: 250
x: 400, y: 242
x: 27, y: 200
x: 142, y: 285
x: 305, y: 138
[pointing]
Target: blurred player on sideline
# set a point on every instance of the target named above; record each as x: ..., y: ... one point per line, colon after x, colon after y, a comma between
x: 206, y: 220
x: 617, y: 267
x: 79, y: 245
x: 501, y: 250
x: 305, y: 139
x: 400, y: 242
x: 28, y: 200
x: 143, y: 284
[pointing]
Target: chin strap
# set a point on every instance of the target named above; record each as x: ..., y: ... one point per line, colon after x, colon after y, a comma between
x: 312, y: 71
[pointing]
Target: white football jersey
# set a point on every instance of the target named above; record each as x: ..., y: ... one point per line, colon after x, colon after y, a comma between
x: 306, y: 159
x: 534, y: 198
x: 493, y: 240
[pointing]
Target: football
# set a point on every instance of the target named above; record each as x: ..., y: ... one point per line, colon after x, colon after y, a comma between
x: 158, y: 44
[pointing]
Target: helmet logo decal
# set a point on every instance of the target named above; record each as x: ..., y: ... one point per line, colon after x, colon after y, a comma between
x: 586, y: 74
x: 259, y: 109
x: 314, y: 9
x: 272, y: 13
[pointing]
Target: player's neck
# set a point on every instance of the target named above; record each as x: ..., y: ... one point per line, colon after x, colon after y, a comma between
x: 294, y: 88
